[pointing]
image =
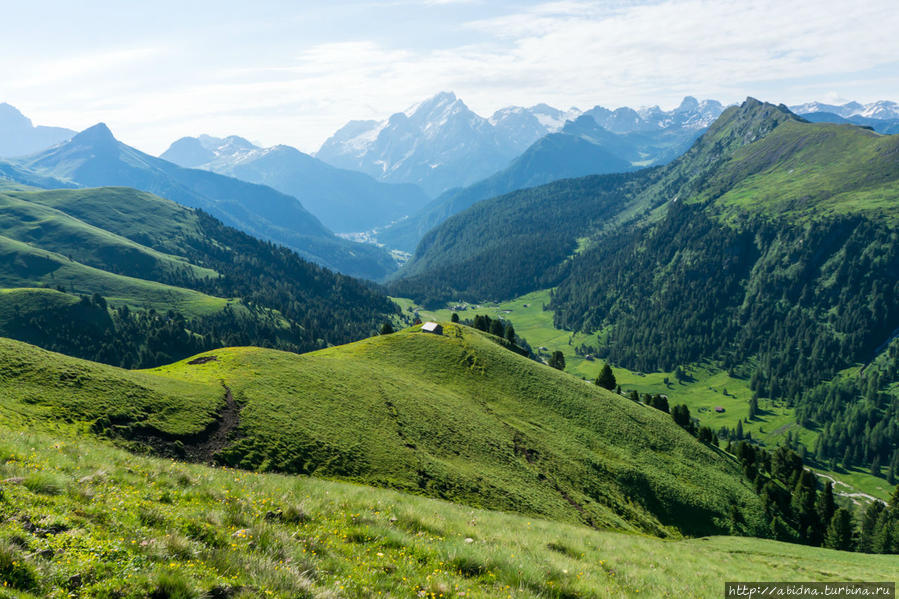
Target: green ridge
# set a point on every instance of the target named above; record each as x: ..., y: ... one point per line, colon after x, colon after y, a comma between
x: 453, y: 416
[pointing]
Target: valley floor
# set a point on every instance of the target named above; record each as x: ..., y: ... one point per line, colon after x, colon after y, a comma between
x: 83, y: 519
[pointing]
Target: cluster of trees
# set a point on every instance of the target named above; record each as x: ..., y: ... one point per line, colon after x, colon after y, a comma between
x: 320, y: 307
x: 858, y: 417
x: 502, y: 329
x: 805, y: 300
x: 132, y: 338
x: 332, y: 308
x: 799, y: 513
x: 797, y: 301
x: 507, y: 246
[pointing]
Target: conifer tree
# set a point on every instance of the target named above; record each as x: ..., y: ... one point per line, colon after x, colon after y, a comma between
x: 869, y: 529
x: 826, y: 506
x: 606, y: 378
x: 839, y: 533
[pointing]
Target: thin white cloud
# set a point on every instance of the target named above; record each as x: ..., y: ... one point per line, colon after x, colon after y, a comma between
x: 563, y: 53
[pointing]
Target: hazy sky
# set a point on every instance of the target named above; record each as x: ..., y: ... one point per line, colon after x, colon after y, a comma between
x: 293, y: 72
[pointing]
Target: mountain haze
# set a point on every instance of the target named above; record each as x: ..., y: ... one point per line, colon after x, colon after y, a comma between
x: 18, y: 136
x: 94, y: 158
x: 345, y: 201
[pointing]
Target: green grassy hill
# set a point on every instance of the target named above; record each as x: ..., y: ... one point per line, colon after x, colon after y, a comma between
x: 174, y: 281
x: 455, y: 416
x: 78, y: 518
x: 81, y: 518
x: 705, y: 387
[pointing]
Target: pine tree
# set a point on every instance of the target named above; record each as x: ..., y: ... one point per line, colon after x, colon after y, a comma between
x: 884, y: 539
x: 557, y: 360
x: 839, y: 533
x: 875, y: 466
x: 510, y: 333
x: 386, y: 328
x: 803, y: 503
x: 869, y: 529
x: 454, y: 317
x: 753, y: 408
x: 825, y: 506
x: 740, y: 430
x: 497, y: 328
x: 606, y: 378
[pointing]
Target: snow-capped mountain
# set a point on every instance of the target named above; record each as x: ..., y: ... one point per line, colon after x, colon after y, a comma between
x: 18, y: 136
x: 691, y: 114
x: 345, y: 201
x: 436, y: 144
x: 210, y: 152
x: 440, y: 143
x: 882, y: 109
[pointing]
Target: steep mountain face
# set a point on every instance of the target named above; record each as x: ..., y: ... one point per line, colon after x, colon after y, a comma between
x: 571, y: 145
x: 188, y: 152
x: 94, y: 158
x: 18, y: 136
x: 345, y: 201
x: 690, y: 114
x: 179, y: 280
x: 437, y: 144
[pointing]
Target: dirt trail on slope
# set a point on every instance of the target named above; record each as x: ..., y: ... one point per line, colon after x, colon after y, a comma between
x: 217, y: 435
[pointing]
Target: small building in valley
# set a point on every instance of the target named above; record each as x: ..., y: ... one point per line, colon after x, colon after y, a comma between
x: 719, y: 409
x: 432, y: 327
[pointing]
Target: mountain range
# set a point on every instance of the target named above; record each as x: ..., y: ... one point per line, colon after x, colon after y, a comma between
x: 563, y: 144
x: 440, y: 143
x: 345, y: 201
x: 758, y: 246
x: 880, y: 110
x: 94, y: 158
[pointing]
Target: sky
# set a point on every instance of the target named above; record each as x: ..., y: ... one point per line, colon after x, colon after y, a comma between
x: 293, y: 72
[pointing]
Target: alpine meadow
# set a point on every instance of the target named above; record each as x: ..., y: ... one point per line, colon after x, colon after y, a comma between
x: 307, y: 326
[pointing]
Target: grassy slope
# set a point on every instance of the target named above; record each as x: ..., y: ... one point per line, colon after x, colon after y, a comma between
x: 136, y: 215
x: 802, y: 170
x: 127, y: 526
x: 456, y: 417
x: 459, y: 417
x: 27, y: 266
x: 33, y: 218
x: 78, y: 238
x: 703, y: 392
x: 39, y: 385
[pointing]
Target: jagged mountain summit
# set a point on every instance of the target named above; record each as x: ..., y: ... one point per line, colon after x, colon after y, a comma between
x: 18, y: 136
x: 882, y: 109
x: 437, y: 144
x: 345, y: 201
x: 441, y: 144
x: 576, y: 144
x: 690, y: 114
x: 881, y: 116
